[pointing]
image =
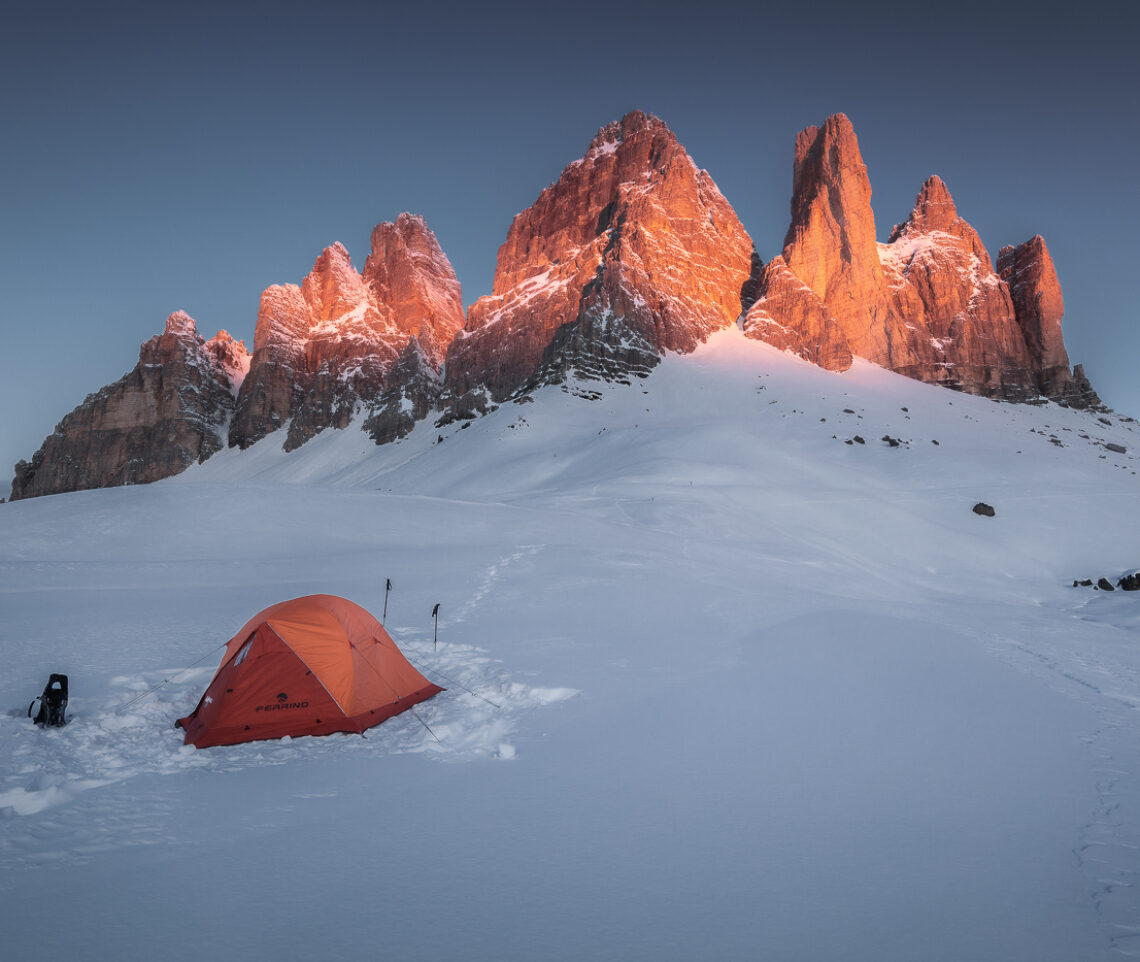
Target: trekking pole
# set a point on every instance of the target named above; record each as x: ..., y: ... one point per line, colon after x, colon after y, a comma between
x: 435, y: 617
x: 387, y: 588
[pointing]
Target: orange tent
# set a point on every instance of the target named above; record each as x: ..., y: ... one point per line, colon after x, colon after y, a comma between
x: 310, y: 666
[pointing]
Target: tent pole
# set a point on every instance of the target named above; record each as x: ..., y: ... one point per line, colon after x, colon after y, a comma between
x: 387, y: 588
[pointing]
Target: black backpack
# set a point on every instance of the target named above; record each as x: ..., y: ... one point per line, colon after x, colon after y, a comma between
x: 53, y: 703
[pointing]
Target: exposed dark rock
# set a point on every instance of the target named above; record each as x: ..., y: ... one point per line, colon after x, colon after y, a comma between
x: 412, y: 391
x: 1104, y: 584
x: 984, y: 509
x: 172, y: 410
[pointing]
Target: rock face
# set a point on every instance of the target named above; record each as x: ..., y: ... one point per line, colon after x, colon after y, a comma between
x: 173, y: 409
x: 791, y: 316
x: 963, y: 327
x: 323, y: 347
x: 927, y: 304
x: 632, y: 252
x: 830, y: 244
x: 1036, y: 293
x: 412, y: 391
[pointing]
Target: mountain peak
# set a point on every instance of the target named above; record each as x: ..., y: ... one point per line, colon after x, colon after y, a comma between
x: 614, y: 133
x: 180, y: 323
x: 321, y: 349
x: 408, y: 271
x: 830, y: 244
x: 823, y: 152
x: 933, y: 210
x: 631, y: 253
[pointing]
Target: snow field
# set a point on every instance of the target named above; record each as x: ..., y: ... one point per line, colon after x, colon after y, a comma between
x: 763, y: 693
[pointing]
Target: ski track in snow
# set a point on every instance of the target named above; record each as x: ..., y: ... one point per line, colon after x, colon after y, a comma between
x: 1108, y: 847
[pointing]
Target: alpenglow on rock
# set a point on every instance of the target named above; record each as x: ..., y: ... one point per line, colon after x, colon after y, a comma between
x: 172, y: 410
x: 321, y: 348
x: 631, y: 253
x: 1036, y: 293
x: 928, y: 303
x: 964, y: 330
x: 830, y: 243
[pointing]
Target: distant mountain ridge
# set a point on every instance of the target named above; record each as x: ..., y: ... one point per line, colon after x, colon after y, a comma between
x: 633, y: 252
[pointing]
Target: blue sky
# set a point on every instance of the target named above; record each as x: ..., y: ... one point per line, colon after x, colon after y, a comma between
x: 159, y: 159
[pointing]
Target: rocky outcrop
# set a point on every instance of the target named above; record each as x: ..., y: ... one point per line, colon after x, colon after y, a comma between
x: 172, y: 410
x: 324, y: 347
x: 631, y: 253
x: 928, y: 303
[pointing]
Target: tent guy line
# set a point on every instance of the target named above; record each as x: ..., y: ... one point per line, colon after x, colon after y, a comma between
x: 450, y: 681
x: 134, y: 700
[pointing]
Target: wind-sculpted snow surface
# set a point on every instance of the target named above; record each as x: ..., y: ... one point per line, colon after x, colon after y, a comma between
x: 720, y: 684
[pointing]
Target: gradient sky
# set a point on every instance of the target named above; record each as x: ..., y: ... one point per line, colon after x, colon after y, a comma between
x: 162, y: 157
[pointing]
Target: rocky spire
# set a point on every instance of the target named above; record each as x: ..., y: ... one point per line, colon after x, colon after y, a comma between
x: 927, y: 304
x: 830, y: 244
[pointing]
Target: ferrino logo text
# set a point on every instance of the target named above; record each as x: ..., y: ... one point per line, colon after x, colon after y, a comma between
x: 283, y: 703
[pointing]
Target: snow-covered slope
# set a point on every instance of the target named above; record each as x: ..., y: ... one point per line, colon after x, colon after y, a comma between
x: 720, y: 685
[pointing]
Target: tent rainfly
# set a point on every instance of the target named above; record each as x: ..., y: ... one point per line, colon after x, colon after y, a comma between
x: 310, y: 666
